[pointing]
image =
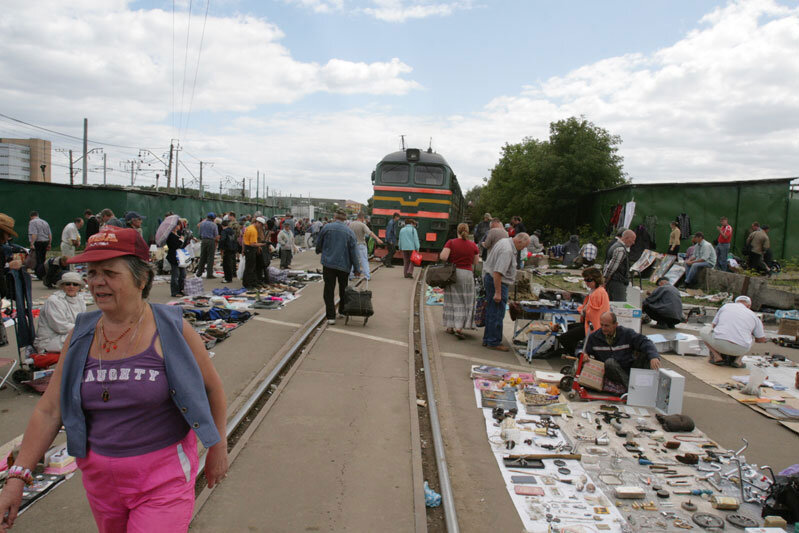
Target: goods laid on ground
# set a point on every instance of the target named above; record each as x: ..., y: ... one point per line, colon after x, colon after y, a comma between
x: 592, y: 466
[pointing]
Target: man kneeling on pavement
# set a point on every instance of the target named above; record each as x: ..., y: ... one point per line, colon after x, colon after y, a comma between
x: 730, y: 335
x: 621, y: 349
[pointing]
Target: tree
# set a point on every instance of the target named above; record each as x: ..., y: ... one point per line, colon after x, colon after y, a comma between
x: 545, y: 182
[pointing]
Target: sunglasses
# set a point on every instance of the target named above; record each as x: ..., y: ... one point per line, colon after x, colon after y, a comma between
x: 70, y: 284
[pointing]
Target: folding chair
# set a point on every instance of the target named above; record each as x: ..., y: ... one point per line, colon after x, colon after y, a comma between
x: 12, y: 363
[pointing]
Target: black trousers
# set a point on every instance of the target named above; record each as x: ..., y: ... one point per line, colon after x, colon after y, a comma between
x: 254, y: 264
x: 285, y: 258
x: 755, y: 262
x: 621, y: 374
x: 571, y: 339
x: 229, y: 264
x: 330, y: 277
x: 391, y: 250
x: 660, y: 318
x: 617, y: 291
x: 207, y: 249
x: 41, y: 255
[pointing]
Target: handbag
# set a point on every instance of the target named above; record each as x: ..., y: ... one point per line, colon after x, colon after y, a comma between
x: 480, y: 306
x: 416, y: 258
x: 441, y: 275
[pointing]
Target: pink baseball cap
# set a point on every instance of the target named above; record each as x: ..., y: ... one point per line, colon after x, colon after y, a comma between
x: 112, y: 242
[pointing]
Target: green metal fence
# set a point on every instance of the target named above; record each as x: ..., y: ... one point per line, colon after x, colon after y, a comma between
x: 60, y: 204
x: 766, y: 201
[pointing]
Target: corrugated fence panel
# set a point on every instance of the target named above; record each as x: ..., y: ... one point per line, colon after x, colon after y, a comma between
x: 59, y: 204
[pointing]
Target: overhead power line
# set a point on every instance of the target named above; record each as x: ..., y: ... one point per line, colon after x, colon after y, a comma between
x: 197, y: 67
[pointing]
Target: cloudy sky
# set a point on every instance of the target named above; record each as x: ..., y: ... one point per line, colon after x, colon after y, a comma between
x: 314, y: 93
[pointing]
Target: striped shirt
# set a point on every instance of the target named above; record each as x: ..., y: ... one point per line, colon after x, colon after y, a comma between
x: 40, y: 228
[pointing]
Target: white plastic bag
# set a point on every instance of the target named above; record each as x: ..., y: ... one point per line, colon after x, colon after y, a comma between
x: 756, y: 378
x: 240, y: 270
x: 184, y: 257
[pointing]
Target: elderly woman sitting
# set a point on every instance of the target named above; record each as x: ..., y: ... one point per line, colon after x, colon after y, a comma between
x: 57, y: 317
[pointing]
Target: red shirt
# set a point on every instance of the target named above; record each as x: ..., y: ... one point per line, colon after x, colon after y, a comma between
x: 725, y: 235
x: 462, y: 252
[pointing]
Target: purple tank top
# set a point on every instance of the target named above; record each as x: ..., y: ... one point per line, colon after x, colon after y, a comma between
x: 139, y: 416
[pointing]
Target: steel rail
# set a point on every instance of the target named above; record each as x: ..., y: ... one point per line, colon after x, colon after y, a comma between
x: 450, y: 514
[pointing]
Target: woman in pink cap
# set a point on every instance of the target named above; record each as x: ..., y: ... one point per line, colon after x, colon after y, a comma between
x: 133, y: 381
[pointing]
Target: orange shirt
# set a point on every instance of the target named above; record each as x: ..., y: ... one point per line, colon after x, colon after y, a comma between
x: 597, y: 303
x: 250, y: 235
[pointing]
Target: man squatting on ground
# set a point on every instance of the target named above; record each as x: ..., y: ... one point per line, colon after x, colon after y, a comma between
x: 730, y: 335
x: 664, y: 305
x: 621, y: 349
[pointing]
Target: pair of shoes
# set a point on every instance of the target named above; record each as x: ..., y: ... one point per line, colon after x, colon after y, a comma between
x: 331, y: 321
x: 227, y: 281
x: 500, y: 348
x: 733, y: 363
x: 721, y: 362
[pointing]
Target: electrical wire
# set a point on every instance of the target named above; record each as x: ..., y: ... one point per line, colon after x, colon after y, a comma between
x: 185, y: 63
x: 173, y: 67
x: 197, y: 67
x: 68, y: 136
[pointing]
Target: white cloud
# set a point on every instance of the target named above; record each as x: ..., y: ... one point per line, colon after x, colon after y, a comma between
x: 388, y: 10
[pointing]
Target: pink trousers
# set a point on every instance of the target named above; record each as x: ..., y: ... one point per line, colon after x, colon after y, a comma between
x: 150, y: 493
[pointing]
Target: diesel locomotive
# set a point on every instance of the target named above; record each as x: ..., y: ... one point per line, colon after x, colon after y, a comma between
x: 418, y: 184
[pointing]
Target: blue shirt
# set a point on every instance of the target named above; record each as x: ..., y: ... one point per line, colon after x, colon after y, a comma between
x: 391, y: 231
x: 338, y: 246
x: 208, y: 229
x: 408, y: 238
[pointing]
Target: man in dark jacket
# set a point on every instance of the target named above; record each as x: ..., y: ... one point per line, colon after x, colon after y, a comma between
x: 229, y: 247
x: 617, y: 267
x: 621, y: 349
x: 482, y: 228
x: 92, y: 224
x: 392, y: 233
x: 664, y: 305
x: 339, y: 249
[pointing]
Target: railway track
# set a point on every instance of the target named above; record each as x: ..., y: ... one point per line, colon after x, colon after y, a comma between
x: 252, y: 406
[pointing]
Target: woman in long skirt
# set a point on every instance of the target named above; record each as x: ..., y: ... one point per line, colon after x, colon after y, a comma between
x: 459, y: 296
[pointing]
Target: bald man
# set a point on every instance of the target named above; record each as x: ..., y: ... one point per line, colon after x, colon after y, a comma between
x: 617, y: 266
x: 621, y: 349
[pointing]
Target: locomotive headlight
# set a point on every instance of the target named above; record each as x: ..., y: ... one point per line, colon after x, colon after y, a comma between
x: 412, y: 154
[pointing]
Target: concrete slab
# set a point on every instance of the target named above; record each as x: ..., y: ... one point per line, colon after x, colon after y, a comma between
x: 335, y: 452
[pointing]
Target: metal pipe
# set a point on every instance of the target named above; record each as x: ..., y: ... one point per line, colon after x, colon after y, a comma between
x: 450, y: 515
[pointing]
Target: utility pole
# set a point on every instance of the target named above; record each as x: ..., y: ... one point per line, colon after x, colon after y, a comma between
x: 85, y: 149
x: 156, y: 182
x: 169, y: 167
x: 201, y: 180
x: 243, y: 186
x: 71, y: 173
x: 183, y: 183
x: 249, y: 191
x: 105, y: 161
x: 257, y: 185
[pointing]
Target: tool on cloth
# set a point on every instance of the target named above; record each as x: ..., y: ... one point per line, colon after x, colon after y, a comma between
x: 694, y: 492
x: 647, y: 462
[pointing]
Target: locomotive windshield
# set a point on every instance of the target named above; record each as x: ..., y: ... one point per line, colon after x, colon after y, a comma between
x: 394, y: 173
x: 428, y: 175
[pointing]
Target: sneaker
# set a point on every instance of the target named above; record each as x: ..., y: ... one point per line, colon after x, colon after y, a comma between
x: 331, y: 321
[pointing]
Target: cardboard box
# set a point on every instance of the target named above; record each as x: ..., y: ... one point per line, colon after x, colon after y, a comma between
x: 788, y: 326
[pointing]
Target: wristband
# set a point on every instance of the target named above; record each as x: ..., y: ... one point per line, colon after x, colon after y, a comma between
x: 20, y: 473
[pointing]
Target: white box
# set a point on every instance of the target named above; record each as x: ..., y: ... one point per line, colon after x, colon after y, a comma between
x: 627, y: 315
x: 662, y: 389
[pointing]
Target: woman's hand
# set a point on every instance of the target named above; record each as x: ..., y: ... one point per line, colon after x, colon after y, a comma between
x: 10, y: 500
x: 216, y: 463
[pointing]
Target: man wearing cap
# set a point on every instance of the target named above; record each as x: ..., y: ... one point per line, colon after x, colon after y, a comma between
x: 209, y: 235
x: 58, y: 314
x: 730, y: 335
x: 70, y: 237
x: 133, y: 220
x: 339, y: 249
x: 253, y: 258
x: 41, y: 239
